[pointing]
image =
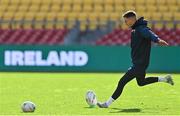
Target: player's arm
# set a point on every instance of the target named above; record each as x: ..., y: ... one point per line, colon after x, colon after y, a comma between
x: 147, y: 33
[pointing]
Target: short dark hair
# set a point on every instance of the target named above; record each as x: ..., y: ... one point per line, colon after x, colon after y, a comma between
x: 129, y: 14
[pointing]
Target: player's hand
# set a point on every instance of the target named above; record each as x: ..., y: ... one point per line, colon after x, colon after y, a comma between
x: 162, y: 42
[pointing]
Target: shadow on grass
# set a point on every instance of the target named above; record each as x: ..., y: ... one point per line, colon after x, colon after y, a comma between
x: 131, y: 110
x: 89, y: 107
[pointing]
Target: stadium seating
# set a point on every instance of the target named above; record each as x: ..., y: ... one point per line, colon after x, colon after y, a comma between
x: 122, y: 37
x: 40, y: 9
x: 21, y: 18
x: 56, y: 36
x: 32, y: 36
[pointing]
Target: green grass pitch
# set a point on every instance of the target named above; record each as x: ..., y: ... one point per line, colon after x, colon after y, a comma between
x: 64, y: 94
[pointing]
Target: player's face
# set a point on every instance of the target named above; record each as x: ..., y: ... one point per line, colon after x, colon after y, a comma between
x: 130, y: 21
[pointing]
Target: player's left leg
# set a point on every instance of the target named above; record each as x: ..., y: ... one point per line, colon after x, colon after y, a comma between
x: 142, y: 81
x: 119, y: 89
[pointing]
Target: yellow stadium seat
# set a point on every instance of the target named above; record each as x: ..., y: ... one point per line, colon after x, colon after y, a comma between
x: 178, y: 2
x: 25, y: 2
x: 176, y: 16
x: 29, y: 16
x: 14, y: 2
x: 55, y: 8
x: 98, y: 8
x: 37, y: 2
x: 98, y: 2
x: 129, y: 7
x: 169, y: 25
x: 150, y: 25
x: 93, y: 16
x: 34, y: 8
x: 173, y: 8
x: 16, y: 25
x: 129, y: 2
x: 115, y: 16
x: 139, y: 2
x: 157, y: 16
x: 60, y: 25
x: 83, y: 26
x: 22, y: 8
x: 119, y: 9
x: 19, y: 15
x: 87, y: 8
x: 49, y: 25
x: 124, y: 26
x: 77, y: 8
x: 103, y: 18
x: 80, y: 2
x: 50, y: 16
x: 140, y: 8
x: 150, y: 2
x: 27, y: 25
x: 92, y: 26
x: 3, y: 2
x: 167, y: 16
x: 88, y: 2
x: 159, y: 25
x: 44, y: 8
x: 66, y: 8
x: 67, y: 2
x: 109, y: 8
x: 40, y: 15
x: 151, y: 8
x: 70, y: 24
x: 38, y: 25
x: 108, y: 2
x: 3, y: 7
x: 47, y: 2
x: 119, y: 2
x: 82, y: 16
x: 61, y: 16
x: 8, y: 15
x: 146, y: 15
x: 57, y: 2
x: 171, y: 2
x: 163, y: 8
x: 12, y: 8
x: 177, y: 26
x: 72, y: 16
x: 161, y: 2
x: 5, y: 25
x: 1, y: 14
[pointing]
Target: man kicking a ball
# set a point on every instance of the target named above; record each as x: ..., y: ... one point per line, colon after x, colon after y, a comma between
x: 141, y: 37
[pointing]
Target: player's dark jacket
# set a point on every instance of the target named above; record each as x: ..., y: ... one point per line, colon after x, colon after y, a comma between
x: 141, y: 37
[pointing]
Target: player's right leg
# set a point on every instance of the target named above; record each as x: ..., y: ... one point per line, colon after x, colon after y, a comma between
x: 122, y: 82
x: 142, y: 81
